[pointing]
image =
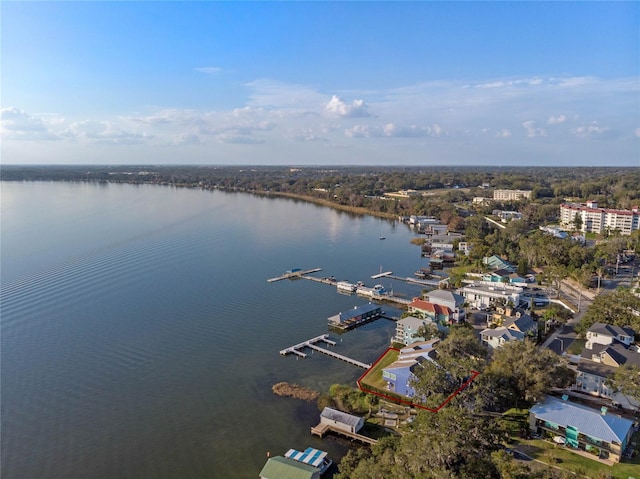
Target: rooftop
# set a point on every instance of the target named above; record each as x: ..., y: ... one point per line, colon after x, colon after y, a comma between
x: 279, y: 467
x: 605, y: 427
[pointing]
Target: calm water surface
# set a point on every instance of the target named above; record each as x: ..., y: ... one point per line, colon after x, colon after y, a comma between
x: 140, y: 339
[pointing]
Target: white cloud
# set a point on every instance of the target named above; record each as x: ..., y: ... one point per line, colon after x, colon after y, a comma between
x: 104, y: 132
x: 532, y: 130
x: 591, y: 130
x: 308, y: 134
x: 391, y: 130
x: 555, y: 120
x: 17, y: 124
x: 482, y: 114
x: 357, y: 109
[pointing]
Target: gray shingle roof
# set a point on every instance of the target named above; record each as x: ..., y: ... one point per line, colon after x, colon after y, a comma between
x: 608, y: 427
x: 609, y: 329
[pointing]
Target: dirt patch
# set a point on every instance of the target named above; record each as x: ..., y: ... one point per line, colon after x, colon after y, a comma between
x: 295, y: 391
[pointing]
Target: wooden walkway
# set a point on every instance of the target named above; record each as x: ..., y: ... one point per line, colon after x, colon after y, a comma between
x: 322, y: 428
x: 294, y: 274
x: 311, y: 344
x: 340, y: 356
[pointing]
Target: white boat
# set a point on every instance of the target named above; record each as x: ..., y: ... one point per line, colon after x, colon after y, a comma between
x: 312, y: 457
x: 346, y: 286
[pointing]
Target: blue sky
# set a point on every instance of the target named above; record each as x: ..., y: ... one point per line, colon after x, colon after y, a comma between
x: 354, y: 83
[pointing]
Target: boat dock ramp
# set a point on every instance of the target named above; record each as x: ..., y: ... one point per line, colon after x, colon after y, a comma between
x: 311, y: 344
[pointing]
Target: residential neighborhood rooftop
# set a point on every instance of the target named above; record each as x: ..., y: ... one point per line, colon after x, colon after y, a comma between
x: 593, y: 423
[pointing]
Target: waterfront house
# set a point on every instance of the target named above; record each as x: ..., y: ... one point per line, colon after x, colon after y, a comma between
x: 401, y: 374
x: 341, y: 420
x: 279, y: 467
x: 426, y: 309
x: 599, y: 432
x: 407, y: 329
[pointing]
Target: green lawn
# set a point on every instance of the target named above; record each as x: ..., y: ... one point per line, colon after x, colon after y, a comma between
x: 559, y: 456
x: 374, y: 376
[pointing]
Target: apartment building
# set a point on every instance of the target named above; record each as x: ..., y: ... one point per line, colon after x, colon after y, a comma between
x: 599, y: 220
x: 508, y: 195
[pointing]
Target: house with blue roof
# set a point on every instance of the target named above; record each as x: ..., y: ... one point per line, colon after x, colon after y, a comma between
x: 596, y: 431
x: 495, y: 262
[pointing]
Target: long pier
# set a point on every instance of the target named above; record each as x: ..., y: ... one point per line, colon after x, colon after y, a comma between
x: 330, y: 281
x: 293, y: 274
x: 424, y: 282
x: 311, y: 344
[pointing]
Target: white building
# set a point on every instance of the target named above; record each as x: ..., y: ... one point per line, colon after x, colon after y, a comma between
x: 599, y: 220
x: 508, y: 195
x: 485, y: 293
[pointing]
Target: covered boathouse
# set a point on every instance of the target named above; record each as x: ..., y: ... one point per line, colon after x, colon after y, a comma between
x: 279, y: 467
x: 356, y: 316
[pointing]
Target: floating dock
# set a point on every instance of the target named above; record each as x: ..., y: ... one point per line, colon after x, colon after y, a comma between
x: 311, y: 344
x: 294, y: 274
x: 381, y: 275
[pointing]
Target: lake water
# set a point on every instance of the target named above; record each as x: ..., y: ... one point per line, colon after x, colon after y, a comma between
x: 140, y: 338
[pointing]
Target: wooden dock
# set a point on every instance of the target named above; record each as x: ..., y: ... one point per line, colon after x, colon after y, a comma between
x: 340, y: 356
x: 294, y: 274
x: 321, y: 429
x: 311, y: 344
x: 306, y: 344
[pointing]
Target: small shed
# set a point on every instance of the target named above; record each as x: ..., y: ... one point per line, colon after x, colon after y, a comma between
x: 341, y: 420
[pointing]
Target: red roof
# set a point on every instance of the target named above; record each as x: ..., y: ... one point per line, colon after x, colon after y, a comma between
x: 426, y: 306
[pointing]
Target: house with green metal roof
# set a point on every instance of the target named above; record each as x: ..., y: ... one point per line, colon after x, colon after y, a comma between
x: 604, y: 434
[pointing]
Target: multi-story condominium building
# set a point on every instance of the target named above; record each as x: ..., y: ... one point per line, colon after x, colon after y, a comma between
x: 511, y: 194
x: 599, y: 220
